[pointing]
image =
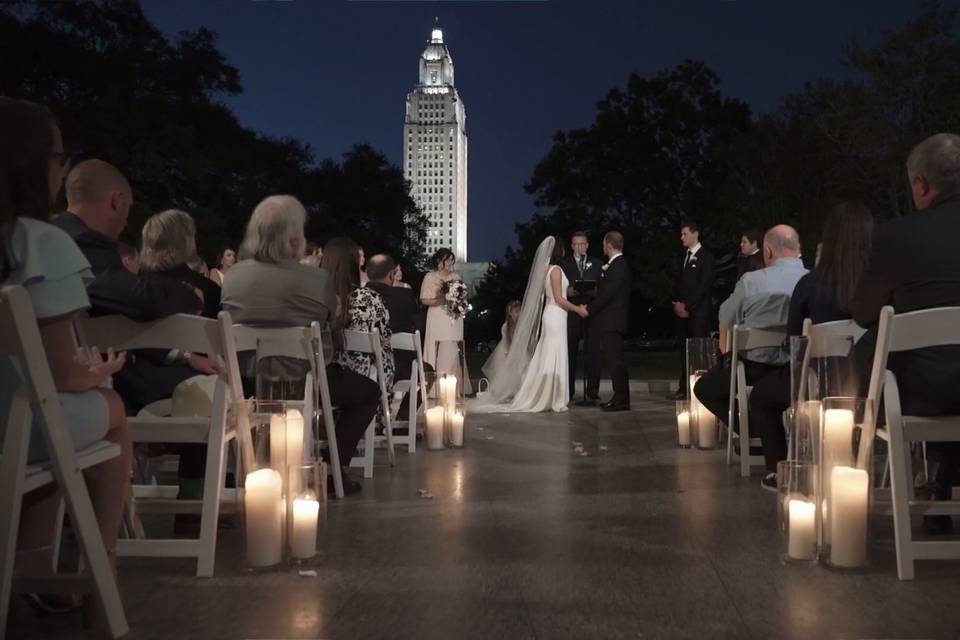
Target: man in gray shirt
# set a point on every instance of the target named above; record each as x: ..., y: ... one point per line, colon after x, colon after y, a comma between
x: 761, y: 299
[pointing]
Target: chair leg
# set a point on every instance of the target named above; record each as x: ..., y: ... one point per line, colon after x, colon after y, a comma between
x: 13, y: 462
x: 744, y: 436
x: 901, y: 481
x: 213, y: 481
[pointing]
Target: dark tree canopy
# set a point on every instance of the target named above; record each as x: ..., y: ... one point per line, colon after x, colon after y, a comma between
x: 155, y: 108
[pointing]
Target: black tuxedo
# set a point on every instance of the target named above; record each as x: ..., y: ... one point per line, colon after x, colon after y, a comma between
x: 914, y: 266
x: 608, y: 322
x: 578, y: 327
x: 693, y: 285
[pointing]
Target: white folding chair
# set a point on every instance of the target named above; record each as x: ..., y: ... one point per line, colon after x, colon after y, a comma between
x: 416, y: 381
x: 20, y: 339
x: 187, y: 333
x: 907, y: 332
x: 825, y: 340
x: 244, y: 338
x: 364, y: 342
x: 746, y: 339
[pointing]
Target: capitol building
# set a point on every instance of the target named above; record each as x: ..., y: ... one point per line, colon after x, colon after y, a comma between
x: 435, y: 150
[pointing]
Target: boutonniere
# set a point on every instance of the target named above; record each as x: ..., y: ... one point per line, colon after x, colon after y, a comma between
x: 588, y: 265
x: 605, y: 267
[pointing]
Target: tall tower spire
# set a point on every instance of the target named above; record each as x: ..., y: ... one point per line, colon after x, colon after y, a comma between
x: 435, y: 148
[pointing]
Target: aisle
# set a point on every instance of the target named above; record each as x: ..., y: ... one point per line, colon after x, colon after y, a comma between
x: 526, y: 538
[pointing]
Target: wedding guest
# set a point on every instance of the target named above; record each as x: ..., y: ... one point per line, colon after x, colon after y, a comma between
x: 442, y: 328
x: 226, y: 259
x: 298, y: 294
x: 913, y: 266
x: 98, y: 204
x: 760, y: 299
x: 402, y: 311
x: 823, y: 295
x: 691, y: 294
x: 47, y: 263
x: 313, y: 254
x: 397, y: 277
x: 129, y: 256
x: 358, y: 309
x: 361, y: 262
x: 579, y: 268
x: 169, y: 248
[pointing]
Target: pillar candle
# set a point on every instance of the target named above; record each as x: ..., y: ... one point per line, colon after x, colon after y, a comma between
x: 448, y: 392
x: 278, y: 440
x: 294, y: 449
x: 435, y: 418
x: 694, y: 411
x: 303, y: 540
x: 849, y: 488
x: 802, y: 532
x: 683, y: 428
x: 837, y: 449
x: 264, y: 517
x: 706, y: 427
x: 456, y: 429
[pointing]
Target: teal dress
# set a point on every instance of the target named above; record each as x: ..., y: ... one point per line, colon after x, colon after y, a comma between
x: 50, y: 266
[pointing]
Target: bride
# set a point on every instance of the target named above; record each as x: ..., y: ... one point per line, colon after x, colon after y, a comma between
x: 522, y: 382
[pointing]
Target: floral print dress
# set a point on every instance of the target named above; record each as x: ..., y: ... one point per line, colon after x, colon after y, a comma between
x: 366, y: 312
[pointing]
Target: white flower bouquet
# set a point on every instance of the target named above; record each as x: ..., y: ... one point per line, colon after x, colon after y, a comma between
x: 454, y: 296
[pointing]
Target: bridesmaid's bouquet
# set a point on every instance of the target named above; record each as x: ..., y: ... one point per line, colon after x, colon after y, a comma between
x: 454, y: 296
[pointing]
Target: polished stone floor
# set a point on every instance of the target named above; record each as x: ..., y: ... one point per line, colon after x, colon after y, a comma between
x: 526, y: 538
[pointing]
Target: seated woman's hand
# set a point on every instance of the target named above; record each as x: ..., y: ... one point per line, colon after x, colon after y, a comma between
x: 93, y: 360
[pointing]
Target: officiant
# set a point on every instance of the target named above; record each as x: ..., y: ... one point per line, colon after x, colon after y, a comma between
x: 583, y: 272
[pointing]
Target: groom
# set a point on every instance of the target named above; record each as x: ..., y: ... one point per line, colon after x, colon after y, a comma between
x: 608, y: 313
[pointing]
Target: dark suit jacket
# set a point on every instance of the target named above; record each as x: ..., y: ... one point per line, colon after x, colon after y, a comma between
x: 913, y: 266
x: 694, y: 283
x: 404, y: 310
x: 608, y: 311
x: 592, y: 272
x: 116, y: 290
x: 146, y: 377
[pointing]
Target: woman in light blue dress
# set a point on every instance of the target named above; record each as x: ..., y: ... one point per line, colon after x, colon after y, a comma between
x: 46, y: 262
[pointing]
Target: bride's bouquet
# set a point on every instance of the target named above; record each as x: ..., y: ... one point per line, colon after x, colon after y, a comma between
x: 454, y: 296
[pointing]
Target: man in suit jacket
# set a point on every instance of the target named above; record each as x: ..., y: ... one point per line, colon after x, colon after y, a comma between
x: 913, y: 265
x: 99, y: 200
x: 691, y: 299
x: 608, y: 313
x: 579, y: 267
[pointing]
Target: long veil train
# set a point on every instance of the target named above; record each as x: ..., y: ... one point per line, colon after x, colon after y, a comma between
x: 506, y: 371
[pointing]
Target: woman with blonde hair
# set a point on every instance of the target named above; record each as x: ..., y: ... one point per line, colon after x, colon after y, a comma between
x: 169, y: 248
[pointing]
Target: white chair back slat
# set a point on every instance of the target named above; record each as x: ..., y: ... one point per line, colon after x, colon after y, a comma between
x: 826, y: 340
x: 20, y: 338
x: 926, y: 328
x: 181, y: 331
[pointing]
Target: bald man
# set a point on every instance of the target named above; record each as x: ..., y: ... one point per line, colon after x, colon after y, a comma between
x: 98, y: 204
x: 760, y: 299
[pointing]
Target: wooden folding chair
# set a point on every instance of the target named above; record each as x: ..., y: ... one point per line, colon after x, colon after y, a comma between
x: 37, y: 396
x: 746, y: 339
x: 240, y: 337
x: 186, y: 333
x: 416, y: 382
x: 364, y: 342
x: 907, y: 332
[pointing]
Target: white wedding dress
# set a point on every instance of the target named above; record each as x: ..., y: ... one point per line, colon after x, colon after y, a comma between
x: 532, y: 375
x: 545, y: 384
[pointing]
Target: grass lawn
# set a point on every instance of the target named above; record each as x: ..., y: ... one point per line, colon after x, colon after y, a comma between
x: 643, y: 365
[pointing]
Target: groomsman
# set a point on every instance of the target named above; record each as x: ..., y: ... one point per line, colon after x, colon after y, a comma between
x: 691, y: 300
x: 582, y: 269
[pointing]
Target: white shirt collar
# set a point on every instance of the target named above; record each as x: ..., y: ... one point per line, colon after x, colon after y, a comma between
x: 614, y: 257
x: 693, y: 250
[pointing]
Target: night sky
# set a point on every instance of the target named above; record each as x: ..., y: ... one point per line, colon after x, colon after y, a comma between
x: 336, y: 73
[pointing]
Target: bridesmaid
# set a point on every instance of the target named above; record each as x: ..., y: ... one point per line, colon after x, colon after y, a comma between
x: 441, y: 327
x: 226, y: 259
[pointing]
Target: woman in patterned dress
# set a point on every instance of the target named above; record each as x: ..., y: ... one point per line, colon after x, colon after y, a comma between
x: 358, y: 308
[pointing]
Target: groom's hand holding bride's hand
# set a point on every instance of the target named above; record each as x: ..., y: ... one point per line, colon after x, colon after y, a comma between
x: 582, y: 311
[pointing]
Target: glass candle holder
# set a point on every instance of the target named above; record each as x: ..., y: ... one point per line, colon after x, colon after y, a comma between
x: 307, y: 508
x: 454, y: 424
x: 798, y: 520
x: 434, y: 413
x: 449, y: 359
x: 683, y: 424
x: 701, y: 356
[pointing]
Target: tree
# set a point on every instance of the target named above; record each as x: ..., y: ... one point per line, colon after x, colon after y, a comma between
x: 125, y: 93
